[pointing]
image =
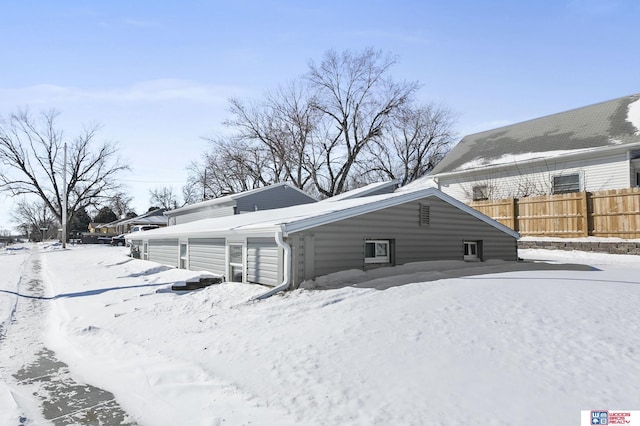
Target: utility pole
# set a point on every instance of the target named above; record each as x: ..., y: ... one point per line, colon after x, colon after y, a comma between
x: 204, y: 186
x: 64, y: 199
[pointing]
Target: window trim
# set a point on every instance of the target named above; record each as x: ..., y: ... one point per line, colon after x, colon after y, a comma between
x: 183, y: 258
x: 482, y: 190
x: 471, y: 257
x: 242, y: 265
x: 377, y: 259
x: 564, y: 189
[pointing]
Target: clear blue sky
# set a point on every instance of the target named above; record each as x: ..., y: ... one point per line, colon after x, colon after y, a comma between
x: 157, y: 74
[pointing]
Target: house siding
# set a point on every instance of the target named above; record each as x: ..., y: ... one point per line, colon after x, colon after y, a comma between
x: 282, y: 196
x: 202, y: 213
x: 164, y: 251
x: 596, y: 174
x: 207, y: 254
x: 264, y: 258
x: 340, y: 246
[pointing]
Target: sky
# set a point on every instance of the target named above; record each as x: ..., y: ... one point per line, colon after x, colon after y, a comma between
x: 157, y: 75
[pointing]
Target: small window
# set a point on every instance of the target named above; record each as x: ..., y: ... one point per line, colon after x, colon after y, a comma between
x: 425, y: 215
x: 376, y: 251
x: 638, y: 179
x: 480, y: 193
x: 566, y: 184
x: 236, y: 263
x: 183, y: 256
x: 472, y: 251
x: 145, y: 251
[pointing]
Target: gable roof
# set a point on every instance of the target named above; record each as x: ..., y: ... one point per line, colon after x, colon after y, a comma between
x: 150, y: 217
x: 301, y: 217
x: 231, y: 198
x: 603, y: 125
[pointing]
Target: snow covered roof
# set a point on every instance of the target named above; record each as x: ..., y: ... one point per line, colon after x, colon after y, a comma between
x: 230, y: 199
x: 153, y: 217
x: 590, y: 128
x: 298, y: 218
x: 365, y: 190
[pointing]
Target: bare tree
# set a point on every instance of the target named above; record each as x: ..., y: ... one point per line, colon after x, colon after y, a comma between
x: 343, y: 124
x: 35, y: 219
x: 120, y: 204
x: 164, y: 197
x: 416, y: 140
x: 280, y: 129
x: 231, y: 166
x: 32, y: 151
x: 356, y: 98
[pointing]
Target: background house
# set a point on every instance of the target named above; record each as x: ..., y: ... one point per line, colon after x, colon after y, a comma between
x: 265, y: 198
x: 593, y: 148
x: 153, y: 217
x: 283, y: 247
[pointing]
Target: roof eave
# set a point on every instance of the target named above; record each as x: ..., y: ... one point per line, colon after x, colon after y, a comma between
x: 577, y: 155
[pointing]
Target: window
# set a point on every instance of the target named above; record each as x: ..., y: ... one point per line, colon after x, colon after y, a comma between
x: 236, y: 263
x: 425, y: 215
x: 183, y: 256
x: 377, y: 251
x: 472, y: 250
x: 638, y: 179
x: 566, y: 184
x: 480, y: 193
x: 145, y: 251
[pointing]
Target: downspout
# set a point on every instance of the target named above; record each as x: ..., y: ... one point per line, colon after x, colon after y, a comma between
x: 287, y: 268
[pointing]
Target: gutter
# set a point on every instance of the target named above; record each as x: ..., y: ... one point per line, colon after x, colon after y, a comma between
x: 287, y: 268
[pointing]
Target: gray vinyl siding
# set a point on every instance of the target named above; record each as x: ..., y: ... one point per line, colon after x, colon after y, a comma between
x: 384, y: 190
x: 340, y: 246
x: 263, y: 261
x: 273, y: 198
x: 164, y: 251
x: 203, y: 213
x: 207, y: 254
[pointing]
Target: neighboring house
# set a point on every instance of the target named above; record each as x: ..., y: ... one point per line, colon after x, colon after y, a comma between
x: 593, y: 148
x: 265, y: 198
x: 153, y: 217
x: 283, y: 247
x: 121, y: 226
x: 97, y: 228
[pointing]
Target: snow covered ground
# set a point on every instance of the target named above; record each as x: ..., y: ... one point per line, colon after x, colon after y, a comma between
x: 456, y: 343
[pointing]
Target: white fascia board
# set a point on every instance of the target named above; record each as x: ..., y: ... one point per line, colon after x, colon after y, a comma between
x: 255, y: 232
x: 565, y: 157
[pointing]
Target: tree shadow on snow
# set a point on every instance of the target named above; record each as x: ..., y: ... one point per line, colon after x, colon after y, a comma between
x: 84, y: 293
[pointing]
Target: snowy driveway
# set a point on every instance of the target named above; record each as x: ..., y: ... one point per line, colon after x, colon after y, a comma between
x: 32, y: 376
x: 496, y: 344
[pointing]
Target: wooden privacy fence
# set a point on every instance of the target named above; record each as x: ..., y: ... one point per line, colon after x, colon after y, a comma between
x: 612, y: 213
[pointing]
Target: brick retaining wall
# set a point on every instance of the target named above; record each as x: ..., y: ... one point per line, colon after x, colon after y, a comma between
x: 621, y: 247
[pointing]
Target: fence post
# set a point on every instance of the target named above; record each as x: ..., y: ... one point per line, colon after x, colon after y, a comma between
x: 514, y: 219
x: 585, y: 214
